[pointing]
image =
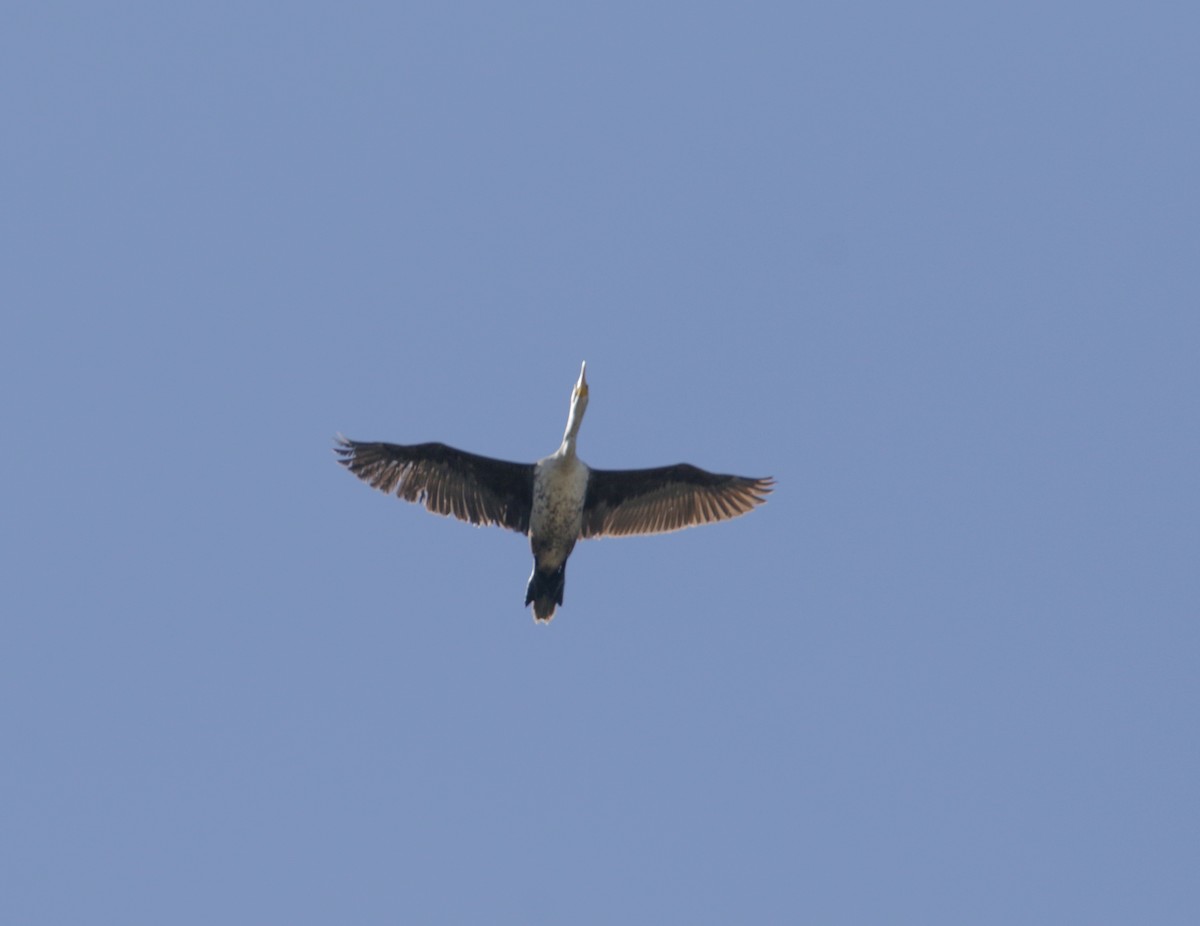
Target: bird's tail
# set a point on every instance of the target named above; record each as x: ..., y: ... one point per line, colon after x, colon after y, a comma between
x: 545, y: 591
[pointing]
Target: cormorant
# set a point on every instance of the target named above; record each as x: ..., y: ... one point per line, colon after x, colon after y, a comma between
x: 556, y: 501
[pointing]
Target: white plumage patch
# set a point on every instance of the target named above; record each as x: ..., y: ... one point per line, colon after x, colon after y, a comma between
x: 559, y: 487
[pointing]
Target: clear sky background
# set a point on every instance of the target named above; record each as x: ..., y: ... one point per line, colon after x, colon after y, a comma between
x: 936, y: 268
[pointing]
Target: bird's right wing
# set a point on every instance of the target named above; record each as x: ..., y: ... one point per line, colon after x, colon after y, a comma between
x: 667, y: 498
x: 445, y: 480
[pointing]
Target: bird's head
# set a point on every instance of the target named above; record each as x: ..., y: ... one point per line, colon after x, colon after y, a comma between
x: 579, y: 400
x: 581, y: 387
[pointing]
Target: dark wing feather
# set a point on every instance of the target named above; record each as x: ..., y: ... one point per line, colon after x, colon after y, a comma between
x: 445, y: 480
x: 667, y: 498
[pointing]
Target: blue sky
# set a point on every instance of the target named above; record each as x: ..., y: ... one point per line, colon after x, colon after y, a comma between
x: 934, y: 268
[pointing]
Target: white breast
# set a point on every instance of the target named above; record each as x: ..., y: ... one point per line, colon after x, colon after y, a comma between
x: 559, y: 487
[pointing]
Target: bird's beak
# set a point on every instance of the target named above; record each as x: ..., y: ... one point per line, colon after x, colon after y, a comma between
x: 581, y: 387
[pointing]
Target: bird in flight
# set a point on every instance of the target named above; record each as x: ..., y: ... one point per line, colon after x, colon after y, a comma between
x: 555, y: 501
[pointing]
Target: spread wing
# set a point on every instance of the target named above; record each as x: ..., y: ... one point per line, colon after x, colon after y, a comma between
x: 445, y: 480
x: 667, y: 498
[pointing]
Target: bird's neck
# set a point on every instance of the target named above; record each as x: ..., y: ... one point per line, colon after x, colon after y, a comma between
x: 574, y: 420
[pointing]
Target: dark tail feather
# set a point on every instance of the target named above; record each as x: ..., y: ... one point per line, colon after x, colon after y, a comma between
x: 545, y: 591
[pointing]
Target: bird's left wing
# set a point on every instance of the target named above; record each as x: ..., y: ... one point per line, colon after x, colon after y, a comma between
x: 667, y: 498
x: 445, y: 480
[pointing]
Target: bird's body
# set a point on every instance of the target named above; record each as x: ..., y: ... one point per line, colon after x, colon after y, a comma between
x: 556, y: 501
x: 555, y: 523
x: 556, y: 520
